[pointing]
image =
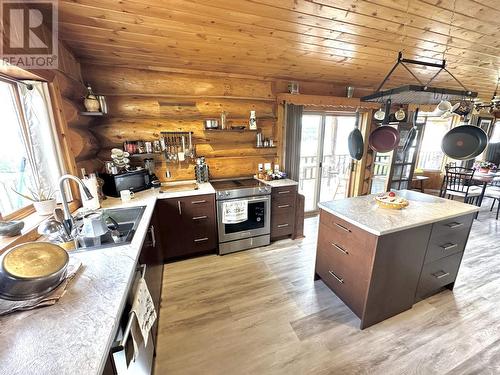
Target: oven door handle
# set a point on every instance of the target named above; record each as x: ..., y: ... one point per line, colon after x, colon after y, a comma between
x: 118, y: 346
x: 265, y: 198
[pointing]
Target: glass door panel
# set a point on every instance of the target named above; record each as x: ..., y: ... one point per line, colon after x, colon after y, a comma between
x: 336, y: 161
x: 309, y: 159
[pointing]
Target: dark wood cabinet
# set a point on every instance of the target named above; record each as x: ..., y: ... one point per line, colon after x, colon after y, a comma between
x: 283, y: 206
x: 380, y: 276
x: 151, y: 260
x: 187, y: 225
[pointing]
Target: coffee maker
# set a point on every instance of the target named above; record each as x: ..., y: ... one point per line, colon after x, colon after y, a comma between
x: 149, y: 165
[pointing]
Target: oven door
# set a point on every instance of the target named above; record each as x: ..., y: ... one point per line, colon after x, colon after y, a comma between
x: 257, y: 224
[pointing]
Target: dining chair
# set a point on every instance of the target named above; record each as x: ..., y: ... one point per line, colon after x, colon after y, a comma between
x: 493, y: 192
x: 458, y: 182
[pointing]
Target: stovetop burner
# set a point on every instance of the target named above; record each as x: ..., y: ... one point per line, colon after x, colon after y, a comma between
x: 239, y: 188
x: 236, y: 184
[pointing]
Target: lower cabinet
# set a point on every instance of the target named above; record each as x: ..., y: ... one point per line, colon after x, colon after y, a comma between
x: 187, y: 225
x: 283, y: 206
x: 150, y: 266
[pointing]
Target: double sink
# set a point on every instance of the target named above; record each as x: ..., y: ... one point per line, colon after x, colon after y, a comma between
x: 127, y: 220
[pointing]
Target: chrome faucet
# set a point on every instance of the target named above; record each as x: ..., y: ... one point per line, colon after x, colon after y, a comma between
x: 68, y: 219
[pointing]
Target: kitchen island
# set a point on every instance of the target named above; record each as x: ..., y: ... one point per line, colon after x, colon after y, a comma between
x: 381, y: 261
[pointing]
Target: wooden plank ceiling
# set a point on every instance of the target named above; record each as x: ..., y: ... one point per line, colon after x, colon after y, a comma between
x: 341, y: 41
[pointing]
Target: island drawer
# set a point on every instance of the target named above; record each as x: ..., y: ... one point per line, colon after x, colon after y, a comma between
x: 358, y: 255
x: 445, y: 245
x: 437, y: 274
x: 346, y: 234
x: 457, y: 226
x: 345, y: 283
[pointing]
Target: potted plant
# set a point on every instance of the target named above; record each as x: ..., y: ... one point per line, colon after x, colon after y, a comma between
x: 43, y: 199
x: 485, y: 166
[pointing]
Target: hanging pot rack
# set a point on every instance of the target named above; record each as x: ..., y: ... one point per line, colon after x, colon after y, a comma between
x: 422, y: 93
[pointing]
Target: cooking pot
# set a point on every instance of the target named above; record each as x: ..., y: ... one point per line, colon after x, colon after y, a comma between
x: 31, y: 270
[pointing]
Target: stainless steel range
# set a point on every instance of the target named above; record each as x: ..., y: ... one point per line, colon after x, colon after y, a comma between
x: 243, y: 214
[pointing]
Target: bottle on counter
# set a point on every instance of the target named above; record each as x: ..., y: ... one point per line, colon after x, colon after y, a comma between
x: 92, y: 184
x: 223, y: 120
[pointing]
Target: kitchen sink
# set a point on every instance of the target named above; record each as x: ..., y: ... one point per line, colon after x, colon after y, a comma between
x: 127, y: 219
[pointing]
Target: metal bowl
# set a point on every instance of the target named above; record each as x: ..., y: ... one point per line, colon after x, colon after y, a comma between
x: 31, y: 270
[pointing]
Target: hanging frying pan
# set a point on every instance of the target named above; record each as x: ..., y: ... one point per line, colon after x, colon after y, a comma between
x: 464, y: 142
x: 355, y: 141
x: 384, y: 138
x: 413, y: 132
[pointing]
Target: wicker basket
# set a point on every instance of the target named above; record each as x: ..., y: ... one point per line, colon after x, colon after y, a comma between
x: 384, y: 203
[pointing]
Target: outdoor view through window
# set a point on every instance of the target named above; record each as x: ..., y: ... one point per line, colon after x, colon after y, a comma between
x: 15, y: 170
x: 431, y: 156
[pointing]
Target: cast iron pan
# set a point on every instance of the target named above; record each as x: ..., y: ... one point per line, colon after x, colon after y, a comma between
x: 356, y: 144
x: 413, y: 132
x: 384, y: 138
x: 464, y: 142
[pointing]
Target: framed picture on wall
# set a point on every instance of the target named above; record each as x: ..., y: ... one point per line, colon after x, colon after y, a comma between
x: 485, y: 123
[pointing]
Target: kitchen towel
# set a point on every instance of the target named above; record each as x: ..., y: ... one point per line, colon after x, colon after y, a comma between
x: 144, y: 309
x: 234, y: 212
x: 7, y: 306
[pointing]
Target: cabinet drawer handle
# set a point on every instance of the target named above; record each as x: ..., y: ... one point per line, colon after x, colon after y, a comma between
x: 339, y: 279
x: 449, y: 246
x: 343, y: 228
x: 200, y: 217
x: 454, y: 225
x: 340, y: 249
x: 201, y: 239
x: 284, y: 206
x: 440, y: 274
x: 179, y: 206
x: 284, y: 192
x: 282, y: 225
x: 198, y: 202
x: 152, y: 234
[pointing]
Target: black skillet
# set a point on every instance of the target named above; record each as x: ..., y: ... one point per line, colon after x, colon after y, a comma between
x: 355, y: 141
x: 464, y: 142
x: 413, y: 132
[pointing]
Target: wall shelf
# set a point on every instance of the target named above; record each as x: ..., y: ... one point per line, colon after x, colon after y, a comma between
x: 231, y: 130
x: 91, y: 113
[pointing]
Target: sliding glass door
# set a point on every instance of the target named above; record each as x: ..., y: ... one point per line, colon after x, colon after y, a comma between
x: 325, y: 163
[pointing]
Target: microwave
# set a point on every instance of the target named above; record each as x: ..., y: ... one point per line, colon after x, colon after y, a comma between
x: 133, y: 181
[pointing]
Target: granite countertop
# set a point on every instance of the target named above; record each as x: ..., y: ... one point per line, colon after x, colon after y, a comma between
x: 279, y: 183
x: 364, y: 212
x: 74, y: 335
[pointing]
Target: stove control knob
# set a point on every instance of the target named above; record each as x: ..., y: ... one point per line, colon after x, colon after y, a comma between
x: 228, y: 193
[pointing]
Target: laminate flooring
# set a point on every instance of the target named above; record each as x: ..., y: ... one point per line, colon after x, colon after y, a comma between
x: 260, y: 312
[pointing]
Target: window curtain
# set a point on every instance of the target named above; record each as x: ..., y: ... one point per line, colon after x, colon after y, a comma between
x: 40, y: 138
x: 293, y: 134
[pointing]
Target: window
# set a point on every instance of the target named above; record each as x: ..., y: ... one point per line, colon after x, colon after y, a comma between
x: 29, y: 161
x: 430, y: 156
x: 495, y: 136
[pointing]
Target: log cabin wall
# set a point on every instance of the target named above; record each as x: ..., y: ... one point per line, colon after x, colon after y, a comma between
x: 142, y: 103
x: 68, y: 92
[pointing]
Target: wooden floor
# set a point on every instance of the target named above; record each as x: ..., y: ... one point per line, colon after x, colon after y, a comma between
x: 260, y: 312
